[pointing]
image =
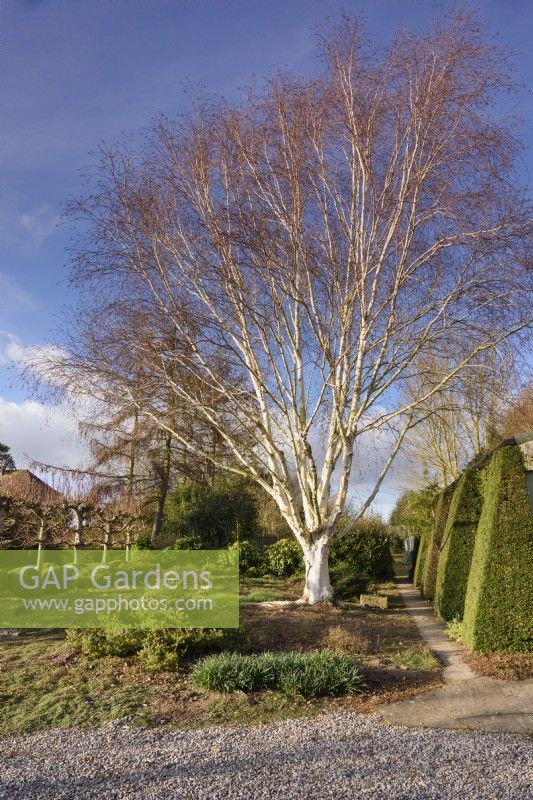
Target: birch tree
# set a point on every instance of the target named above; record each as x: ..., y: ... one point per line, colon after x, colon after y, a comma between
x: 461, y: 420
x: 309, y: 247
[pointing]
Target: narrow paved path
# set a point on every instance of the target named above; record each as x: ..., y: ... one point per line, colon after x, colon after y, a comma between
x: 465, y: 701
x: 431, y: 630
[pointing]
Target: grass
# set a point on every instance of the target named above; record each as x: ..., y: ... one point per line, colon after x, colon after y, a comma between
x: 45, y: 683
x: 416, y: 657
x: 315, y: 674
x: 261, y: 596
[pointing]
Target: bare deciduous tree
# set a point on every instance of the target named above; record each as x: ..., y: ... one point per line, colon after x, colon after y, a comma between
x: 309, y: 249
x: 461, y: 419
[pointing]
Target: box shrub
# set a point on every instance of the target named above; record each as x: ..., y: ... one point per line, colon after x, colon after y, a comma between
x: 434, y: 542
x: 284, y: 558
x: 499, y: 595
x: 457, y: 546
x: 315, y: 674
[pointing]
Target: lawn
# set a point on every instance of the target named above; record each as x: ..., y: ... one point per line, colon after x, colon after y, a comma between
x: 44, y: 683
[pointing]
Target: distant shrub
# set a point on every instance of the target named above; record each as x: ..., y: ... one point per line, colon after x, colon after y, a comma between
x: 158, y: 655
x: 251, y: 556
x: 144, y: 542
x: 361, y: 557
x: 315, y: 674
x: 211, y: 513
x: 431, y: 564
x: 254, y: 572
x: 284, y: 558
x: 499, y: 595
x: 187, y: 543
x: 457, y: 546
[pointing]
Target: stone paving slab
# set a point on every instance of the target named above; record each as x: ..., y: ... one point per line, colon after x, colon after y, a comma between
x: 483, y: 704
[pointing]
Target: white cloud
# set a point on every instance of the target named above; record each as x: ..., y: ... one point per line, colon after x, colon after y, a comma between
x: 40, y: 223
x: 32, y: 357
x: 35, y: 431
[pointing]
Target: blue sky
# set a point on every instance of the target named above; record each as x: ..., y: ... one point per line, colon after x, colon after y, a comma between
x: 74, y: 74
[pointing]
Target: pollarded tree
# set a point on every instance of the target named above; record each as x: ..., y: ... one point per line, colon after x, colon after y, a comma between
x: 309, y: 248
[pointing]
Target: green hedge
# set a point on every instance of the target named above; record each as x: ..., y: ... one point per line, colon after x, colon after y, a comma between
x: 433, y: 547
x: 499, y: 596
x: 418, y: 577
x: 457, y: 546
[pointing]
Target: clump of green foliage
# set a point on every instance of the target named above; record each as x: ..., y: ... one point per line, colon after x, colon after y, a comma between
x: 499, y: 595
x: 417, y: 658
x: 456, y: 630
x: 431, y: 564
x: 315, y: 674
x: 284, y: 558
x: 156, y: 649
x: 187, y: 543
x: 144, y: 541
x: 213, y: 514
x: 366, y: 549
x: 97, y: 642
x: 361, y: 557
x: 457, y: 546
x: 251, y: 556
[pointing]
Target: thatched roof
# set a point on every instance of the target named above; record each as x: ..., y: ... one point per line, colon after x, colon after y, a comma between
x: 22, y: 484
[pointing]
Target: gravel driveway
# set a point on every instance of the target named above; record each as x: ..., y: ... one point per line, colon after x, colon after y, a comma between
x: 332, y: 756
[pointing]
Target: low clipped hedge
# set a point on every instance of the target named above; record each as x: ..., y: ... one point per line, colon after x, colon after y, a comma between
x: 315, y: 674
x: 499, y: 596
x: 431, y: 564
x: 457, y: 546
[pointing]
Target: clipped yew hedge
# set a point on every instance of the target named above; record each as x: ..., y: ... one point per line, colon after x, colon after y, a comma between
x: 418, y: 576
x: 457, y: 546
x: 499, y: 596
x: 431, y: 564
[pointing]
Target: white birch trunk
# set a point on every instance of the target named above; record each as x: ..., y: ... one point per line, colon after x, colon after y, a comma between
x: 317, y: 584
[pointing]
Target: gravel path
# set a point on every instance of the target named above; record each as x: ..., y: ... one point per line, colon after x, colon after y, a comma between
x: 332, y: 756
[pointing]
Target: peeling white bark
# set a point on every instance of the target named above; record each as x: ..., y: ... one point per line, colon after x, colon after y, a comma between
x: 317, y: 584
